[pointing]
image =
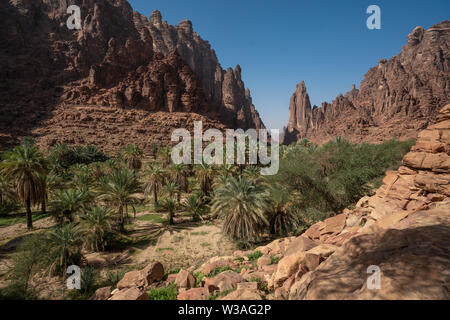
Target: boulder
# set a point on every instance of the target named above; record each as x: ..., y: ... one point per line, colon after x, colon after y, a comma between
x: 224, y: 281
x: 243, y: 294
x: 323, y: 250
x: 102, y: 294
x: 130, y: 279
x: 130, y: 294
x: 185, y: 279
x: 142, y: 278
x: 263, y: 261
x: 152, y: 273
x: 334, y: 224
x: 193, y: 294
x: 301, y: 243
x: 287, y: 267
x: 413, y: 260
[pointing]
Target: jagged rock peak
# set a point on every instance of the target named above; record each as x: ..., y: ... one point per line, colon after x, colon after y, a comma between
x: 416, y: 36
x: 156, y: 18
x: 186, y: 26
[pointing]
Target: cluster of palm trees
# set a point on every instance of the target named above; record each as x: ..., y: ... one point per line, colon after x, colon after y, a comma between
x: 96, y: 199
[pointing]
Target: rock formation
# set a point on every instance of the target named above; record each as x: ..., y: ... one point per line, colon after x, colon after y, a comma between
x: 397, y: 98
x: 404, y: 230
x: 118, y: 59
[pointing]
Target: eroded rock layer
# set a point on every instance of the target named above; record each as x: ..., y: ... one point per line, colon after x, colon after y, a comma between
x: 397, y: 98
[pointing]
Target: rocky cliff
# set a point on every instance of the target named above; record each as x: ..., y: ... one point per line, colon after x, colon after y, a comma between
x: 397, y: 98
x: 119, y: 59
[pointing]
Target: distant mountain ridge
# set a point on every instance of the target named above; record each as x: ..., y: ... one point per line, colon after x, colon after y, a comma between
x: 397, y: 98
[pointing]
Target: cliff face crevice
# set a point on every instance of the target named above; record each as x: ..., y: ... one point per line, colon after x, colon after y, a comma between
x: 397, y: 98
x: 118, y: 59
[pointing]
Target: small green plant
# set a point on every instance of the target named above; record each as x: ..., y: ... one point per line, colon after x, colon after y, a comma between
x: 219, y: 270
x: 154, y: 218
x: 220, y: 294
x: 202, y: 233
x: 166, y: 249
x: 261, y: 284
x: 254, y: 255
x: 166, y: 293
x: 113, y: 277
x: 274, y: 260
x: 199, y: 276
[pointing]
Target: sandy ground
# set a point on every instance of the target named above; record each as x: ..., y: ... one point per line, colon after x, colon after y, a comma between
x: 183, y: 245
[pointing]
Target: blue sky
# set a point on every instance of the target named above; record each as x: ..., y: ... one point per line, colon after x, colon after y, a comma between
x: 279, y: 43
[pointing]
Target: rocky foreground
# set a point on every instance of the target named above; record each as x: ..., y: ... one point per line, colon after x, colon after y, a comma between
x: 404, y: 229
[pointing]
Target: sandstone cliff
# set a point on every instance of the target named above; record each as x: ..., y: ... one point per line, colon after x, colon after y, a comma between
x: 118, y: 59
x: 397, y: 98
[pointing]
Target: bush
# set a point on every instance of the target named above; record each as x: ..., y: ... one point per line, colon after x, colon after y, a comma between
x: 166, y: 293
x: 323, y: 180
x: 29, y: 259
x: 7, y: 206
x: 62, y: 156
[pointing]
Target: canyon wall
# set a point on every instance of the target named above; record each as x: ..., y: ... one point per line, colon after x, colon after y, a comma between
x: 397, y: 98
x: 119, y: 59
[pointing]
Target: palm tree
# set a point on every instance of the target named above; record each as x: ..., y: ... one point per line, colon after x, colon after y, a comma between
x: 132, y: 156
x: 65, y: 247
x: 6, y: 191
x: 165, y: 154
x: 179, y: 175
x: 242, y: 205
x: 252, y: 172
x: 118, y: 189
x: 205, y: 173
x: 282, y: 218
x: 155, y: 181
x: 154, y: 149
x: 227, y: 170
x: 24, y: 166
x: 170, y: 206
x: 96, y: 224
x: 50, y: 182
x: 195, y: 206
x: 68, y: 203
x: 172, y: 188
x: 83, y: 178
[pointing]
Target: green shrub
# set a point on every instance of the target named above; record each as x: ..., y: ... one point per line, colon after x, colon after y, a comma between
x: 62, y: 156
x: 219, y: 270
x: 274, y: 260
x: 166, y: 293
x: 113, y: 277
x: 323, y: 180
x: 7, y: 206
x: 254, y: 255
x: 29, y: 259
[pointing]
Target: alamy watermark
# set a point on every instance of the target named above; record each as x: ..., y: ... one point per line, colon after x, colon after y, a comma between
x: 374, y: 281
x: 74, y: 21
x: 74, y: 280
x: 374, y: 20
x: 252, y: 142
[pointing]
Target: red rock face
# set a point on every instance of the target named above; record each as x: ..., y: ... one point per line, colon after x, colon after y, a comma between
x: 119, y: 59
x: 397, y: 98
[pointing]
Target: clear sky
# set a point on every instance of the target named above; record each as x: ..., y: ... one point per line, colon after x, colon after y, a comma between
x: 279, y: 43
